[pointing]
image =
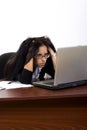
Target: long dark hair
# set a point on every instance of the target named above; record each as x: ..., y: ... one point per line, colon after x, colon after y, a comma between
x: 26, y: 51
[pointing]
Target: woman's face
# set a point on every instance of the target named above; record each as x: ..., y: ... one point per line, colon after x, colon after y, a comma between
x: 41, y: 56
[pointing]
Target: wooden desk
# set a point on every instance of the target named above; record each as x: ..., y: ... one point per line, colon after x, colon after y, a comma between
x: 40, y: 109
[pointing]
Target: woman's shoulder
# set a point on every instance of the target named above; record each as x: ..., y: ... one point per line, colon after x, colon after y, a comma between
x: 6, y: 55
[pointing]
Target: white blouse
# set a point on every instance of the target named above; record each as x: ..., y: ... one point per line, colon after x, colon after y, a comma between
x: 36, y: 73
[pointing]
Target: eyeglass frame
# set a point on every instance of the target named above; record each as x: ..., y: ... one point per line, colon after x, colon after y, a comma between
x: 40, y: 56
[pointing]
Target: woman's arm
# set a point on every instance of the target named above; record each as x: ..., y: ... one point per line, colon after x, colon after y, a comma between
x: 29, y: 66
x: 53, y: 56
x: 26, y: 75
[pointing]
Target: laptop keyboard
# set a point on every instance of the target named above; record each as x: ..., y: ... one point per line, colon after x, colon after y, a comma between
x: 50, y: 83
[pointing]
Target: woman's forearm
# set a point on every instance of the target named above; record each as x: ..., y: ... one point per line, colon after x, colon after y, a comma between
x: 29, y: 65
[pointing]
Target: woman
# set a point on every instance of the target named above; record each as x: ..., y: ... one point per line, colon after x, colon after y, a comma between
x: 35, y: 58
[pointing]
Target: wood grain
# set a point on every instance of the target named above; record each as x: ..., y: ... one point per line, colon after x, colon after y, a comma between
x: 40, y: 109
x: 65, y: 114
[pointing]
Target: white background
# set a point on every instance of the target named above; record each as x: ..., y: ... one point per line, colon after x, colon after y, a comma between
x: 64, y: 21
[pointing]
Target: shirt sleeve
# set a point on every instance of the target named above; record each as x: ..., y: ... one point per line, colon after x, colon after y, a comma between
x: 25, y: 77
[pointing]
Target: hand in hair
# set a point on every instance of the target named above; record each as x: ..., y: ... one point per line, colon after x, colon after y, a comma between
x: 53, y: 56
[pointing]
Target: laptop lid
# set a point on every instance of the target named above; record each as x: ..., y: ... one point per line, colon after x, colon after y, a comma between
x: 71, y: 68
x: 71, y: 65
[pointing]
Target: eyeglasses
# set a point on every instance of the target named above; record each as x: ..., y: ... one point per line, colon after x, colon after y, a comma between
x: 40, y: 56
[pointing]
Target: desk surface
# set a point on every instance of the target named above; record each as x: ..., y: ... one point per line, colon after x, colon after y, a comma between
x: 36, y: 93
x: 36, y: 108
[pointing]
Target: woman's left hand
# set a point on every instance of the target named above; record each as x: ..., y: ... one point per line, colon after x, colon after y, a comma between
x: 52, y: 53
x: 53, y: 56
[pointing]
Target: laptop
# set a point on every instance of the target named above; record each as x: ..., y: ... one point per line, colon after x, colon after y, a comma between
x: 71, y: 69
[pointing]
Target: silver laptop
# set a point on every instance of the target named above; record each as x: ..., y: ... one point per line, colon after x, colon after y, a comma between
x: 71, y: 69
